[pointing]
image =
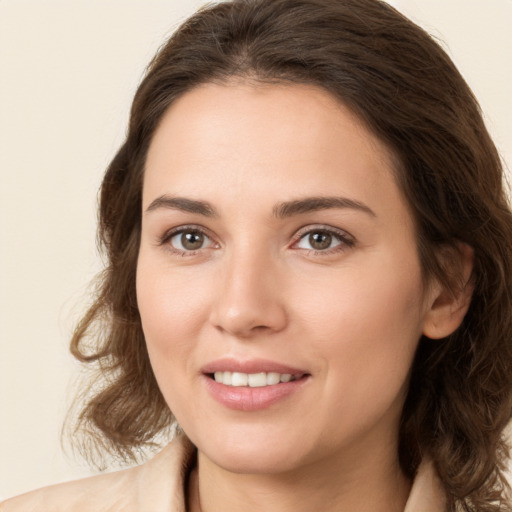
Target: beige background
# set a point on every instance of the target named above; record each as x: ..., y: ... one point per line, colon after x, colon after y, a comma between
x: 68, y: 70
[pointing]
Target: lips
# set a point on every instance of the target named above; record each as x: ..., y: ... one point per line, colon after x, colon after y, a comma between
x: 252, y: 385
x: 250, y: 366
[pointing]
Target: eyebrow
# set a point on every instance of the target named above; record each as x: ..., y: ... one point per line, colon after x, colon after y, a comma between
x: 280, y: 211
x: 183, y: 204
x: 313, y: 204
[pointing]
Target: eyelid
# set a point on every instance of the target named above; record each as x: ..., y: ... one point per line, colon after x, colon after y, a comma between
x: 346, y: 239
x: 172, y: 232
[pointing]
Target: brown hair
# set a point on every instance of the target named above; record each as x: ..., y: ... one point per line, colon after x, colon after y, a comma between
x: 408, y: 92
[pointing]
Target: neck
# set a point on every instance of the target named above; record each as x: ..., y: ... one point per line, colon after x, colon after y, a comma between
x: 330, y: 486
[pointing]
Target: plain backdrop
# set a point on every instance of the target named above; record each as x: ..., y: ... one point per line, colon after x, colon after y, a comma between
x: 68, y: 71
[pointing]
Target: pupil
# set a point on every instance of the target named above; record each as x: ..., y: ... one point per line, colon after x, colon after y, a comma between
x: 320, y: 240
x: 192, y: 241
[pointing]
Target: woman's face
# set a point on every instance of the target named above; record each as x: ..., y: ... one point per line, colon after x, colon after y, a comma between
x: 276, y: 246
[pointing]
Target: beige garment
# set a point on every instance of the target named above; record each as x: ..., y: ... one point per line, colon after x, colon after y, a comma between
x: 158, y: 486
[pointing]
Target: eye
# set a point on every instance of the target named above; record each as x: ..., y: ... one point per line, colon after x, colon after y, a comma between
x: 323, y: 240
x: 188, y: 240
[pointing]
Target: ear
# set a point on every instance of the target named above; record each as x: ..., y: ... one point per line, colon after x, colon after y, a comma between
x: 447, y: 305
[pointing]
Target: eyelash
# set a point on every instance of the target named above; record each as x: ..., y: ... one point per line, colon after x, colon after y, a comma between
x: 345, y: 240
x: 169, y: 235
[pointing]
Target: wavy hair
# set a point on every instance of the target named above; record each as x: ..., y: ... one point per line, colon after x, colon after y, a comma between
x: 402, y: 84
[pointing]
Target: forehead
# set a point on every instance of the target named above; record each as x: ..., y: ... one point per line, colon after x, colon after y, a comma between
x: 261, y: 139
x: 273, y: 114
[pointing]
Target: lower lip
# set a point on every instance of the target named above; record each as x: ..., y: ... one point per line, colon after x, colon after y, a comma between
x: 252, y: 399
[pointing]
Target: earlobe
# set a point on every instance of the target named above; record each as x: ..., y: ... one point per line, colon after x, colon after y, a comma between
x: 449, y: 304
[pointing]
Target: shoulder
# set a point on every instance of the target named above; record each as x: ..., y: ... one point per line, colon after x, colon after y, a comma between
x: 427, y: 493
x: 155, y: 486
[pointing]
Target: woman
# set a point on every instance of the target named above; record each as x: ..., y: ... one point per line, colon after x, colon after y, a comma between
x: 310, y: 266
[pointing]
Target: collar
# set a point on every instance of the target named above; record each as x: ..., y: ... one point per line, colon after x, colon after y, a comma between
x: 426, y: 494
x: 159, y: 486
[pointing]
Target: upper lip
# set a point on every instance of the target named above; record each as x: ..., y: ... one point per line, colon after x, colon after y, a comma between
x: 249, y: 366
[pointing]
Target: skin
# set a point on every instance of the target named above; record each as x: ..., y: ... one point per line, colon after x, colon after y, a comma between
x: 350, y: 315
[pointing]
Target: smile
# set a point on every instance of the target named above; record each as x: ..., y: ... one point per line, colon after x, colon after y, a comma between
x: 253, y: 380
x: 252, y: 385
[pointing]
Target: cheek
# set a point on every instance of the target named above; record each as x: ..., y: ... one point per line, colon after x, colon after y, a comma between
x: 169, y: 302
x: 366, y: 326
x: 382, y: 301
x: 172, y: 309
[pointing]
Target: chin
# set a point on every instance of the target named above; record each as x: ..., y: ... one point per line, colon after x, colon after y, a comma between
x: 253, y: 461
x: 253, y: 452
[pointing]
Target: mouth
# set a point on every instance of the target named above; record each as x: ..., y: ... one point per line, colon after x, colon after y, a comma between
x: 252, y: 385
x: 253, y: 380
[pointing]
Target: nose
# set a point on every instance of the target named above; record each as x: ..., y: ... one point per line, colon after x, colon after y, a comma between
x: 249, y: 300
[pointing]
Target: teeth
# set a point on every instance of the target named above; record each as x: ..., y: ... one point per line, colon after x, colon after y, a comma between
x: 239, y: 379
x: 257, y: 380
x: 253, y: 380
x: 273, y: 378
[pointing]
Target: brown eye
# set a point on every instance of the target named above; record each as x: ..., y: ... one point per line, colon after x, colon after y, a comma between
x: 190, y: 240
x: 320, y: 241
x: 323, y: 240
